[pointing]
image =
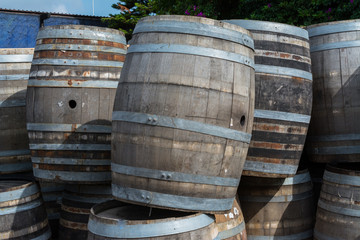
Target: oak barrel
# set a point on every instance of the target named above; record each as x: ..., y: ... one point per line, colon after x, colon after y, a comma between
x: 334, y: 133
x: 183, y: 114
x: 111, y: 220
x: 231, y: 225
x: 22, y: 212
x: 338, y: 211
x: 71, y: 91
x: 52, y: 196
x: 75, y: 208
x: 15, y: 66
x: 278, y: 208
x: 283, y: 90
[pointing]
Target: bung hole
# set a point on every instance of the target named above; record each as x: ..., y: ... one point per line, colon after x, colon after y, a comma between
x: 72, y: 104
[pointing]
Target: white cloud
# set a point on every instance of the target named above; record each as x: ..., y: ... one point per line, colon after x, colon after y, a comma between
x: 59, y: 9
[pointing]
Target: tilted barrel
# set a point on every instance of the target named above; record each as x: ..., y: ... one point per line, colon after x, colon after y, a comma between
x: 22, y: 212
x: 111, y: 220
x: 183, y: 114
x: 15, y: 66
x: 338, y: 211
x: 334, y: 133
x: 75, y: 208
x: 283, y: 90
x: 278, y: 208
x: 71, y: 91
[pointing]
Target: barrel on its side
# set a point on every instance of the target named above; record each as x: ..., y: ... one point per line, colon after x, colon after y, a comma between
x: 111, y: 220
x: 52, y: 195
x: 338, y: 211
x: 231, y: 225
x: 71, y: 91
x: 183, y: 114
x: 283, y: 90
x: 334, y: 133
x: 278, y: 208
x: 22, y: 212
x: 75, y: 208
x: 15, y: 66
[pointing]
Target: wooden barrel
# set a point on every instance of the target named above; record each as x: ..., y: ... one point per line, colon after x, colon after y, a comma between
x: 338, y: 212
x: 334, y: 133
x: 22, y: 213
x: 283, y: 90
x: 14, y: 143
x: 52, y: 195
x: 75, y: 208
x: 71, y: 92
x: 278, y: 208
x: 231, y: 225
x: 112, y: 220
x: 183, y: 114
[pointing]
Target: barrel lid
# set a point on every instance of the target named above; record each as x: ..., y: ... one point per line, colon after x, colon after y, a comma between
x: 333, y: 27
x: 256, y: 25
x: 10, y: 185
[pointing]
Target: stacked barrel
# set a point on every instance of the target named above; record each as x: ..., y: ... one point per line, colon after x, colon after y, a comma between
x: 334, y: 132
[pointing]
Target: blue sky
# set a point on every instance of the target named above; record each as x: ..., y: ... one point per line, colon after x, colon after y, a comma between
x: 84, y: 7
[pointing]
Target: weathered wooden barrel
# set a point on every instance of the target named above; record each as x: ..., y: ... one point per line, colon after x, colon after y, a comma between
x: 71, y: 92
x: 283, y: 90
x: 15, y: 66
x: 75, y: 208
x: 112, y: 220
x: 278, y: 208
x: 22, y: 212
x: 338, y: 212
x: 334, y: 133
x: 183, y: 114
x: 52, y: 196
x: 231, y: 225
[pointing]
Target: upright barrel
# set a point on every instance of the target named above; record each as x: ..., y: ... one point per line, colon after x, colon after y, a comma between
x: 15, y: 66
x: 111, y: 220
x: 278, y: 208
x: 334, y: 133
x: 183, y: 114
x: 283, y: 90
x: 75, y: 208
x: 338, y: 212
x: 71, y: 91
x: 22, y: 213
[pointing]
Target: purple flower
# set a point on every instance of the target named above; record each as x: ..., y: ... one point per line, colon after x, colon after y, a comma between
x: 328, y: 11
x: 269, y: 5
x: 194, y: 7
x: 187, y: 12
x: 201, y: 14
x: 351, y: 1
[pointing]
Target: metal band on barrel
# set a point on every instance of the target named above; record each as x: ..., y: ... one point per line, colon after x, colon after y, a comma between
x: 74, y: 83
x: 183, y: 124
x: 341, y: 178
x: 81, y: 34
x: 284, y: 198
x: 16, y: 58
x: 339, y: 210
x: 173, y: 201
x: 9, y: 153
x: 271, y: 27
x: 303, y: 235
x: 335, y: 45
x: 336, y: 150
x: 19, y: 193
x: 69, y: 147
x: 13, y: 103
x: 259, y: 68
x: 231, y: 232
x: 16, y: 167
x: 71, y: 161
x: 21, y: 208
x: 14, y: 77
x: 72, y: 176
x: 44, y: 236
x: 174, y: 176
x: 338, y: 137
x: 195, y: 29
x: 165, y: 228
x: 191, y: 50
x: 50, y: 127
x: 284, y: 116
x: 76, y: 62
x: 334, y: 28
x: 80, y: 47
x: 269, y: 167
